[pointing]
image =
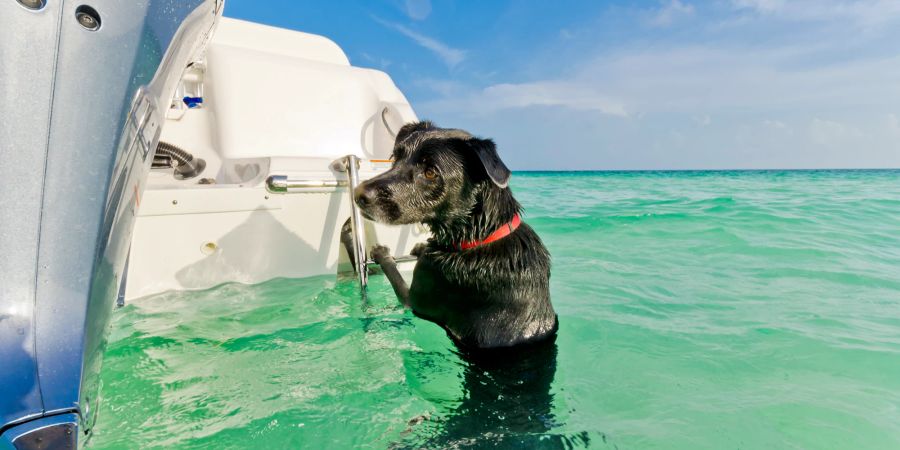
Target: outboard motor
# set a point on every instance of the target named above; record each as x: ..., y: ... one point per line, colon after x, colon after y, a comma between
x: 84, y: 87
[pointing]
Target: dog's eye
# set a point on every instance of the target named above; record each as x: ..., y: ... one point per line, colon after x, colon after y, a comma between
x: 430, y: 174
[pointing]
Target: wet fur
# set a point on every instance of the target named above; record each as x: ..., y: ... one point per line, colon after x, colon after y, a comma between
x: 494, y: 295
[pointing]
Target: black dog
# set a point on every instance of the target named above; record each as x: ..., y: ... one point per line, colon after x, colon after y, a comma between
x: 483, y: 275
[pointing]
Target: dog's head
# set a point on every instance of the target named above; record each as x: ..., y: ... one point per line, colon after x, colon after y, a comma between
x: 436, y: 176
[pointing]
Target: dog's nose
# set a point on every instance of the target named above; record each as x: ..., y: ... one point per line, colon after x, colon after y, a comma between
x: 363, y: 196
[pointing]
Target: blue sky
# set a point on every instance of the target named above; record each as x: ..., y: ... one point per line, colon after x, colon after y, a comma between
x: 668, y: 84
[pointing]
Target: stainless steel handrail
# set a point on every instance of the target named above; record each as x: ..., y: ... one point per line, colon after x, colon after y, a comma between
x: 282, y: 184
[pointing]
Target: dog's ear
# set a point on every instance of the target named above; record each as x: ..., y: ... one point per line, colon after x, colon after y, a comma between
x: 412, y: 127
x: 486, y: 151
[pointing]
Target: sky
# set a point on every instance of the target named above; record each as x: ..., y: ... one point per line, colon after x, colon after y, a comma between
x: 627, y: 85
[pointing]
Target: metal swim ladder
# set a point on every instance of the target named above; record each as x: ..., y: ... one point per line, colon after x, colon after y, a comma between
x: 350, y: 164
x: 282, y: 184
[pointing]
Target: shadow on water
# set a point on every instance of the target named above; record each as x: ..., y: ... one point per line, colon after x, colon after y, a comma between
x: 506, y: 403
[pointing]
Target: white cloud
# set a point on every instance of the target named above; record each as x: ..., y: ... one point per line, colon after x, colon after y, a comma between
x: 690, y: 80
x: 380, y: 62
x: 451, y: 56
x: 669, y: 12
x: 817, y: 93
x: 418, y: 9
x: 831, y: 69
x: 552, y: 93
x: 763, y: 6
x: 776, y: 124
x: 565, y: 94
x: 859, y: 13
x: 893, y: 123
x: 443, y: 88
x: 827, y: 132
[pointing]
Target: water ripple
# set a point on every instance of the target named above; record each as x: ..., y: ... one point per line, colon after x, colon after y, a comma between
x: 697, y: 310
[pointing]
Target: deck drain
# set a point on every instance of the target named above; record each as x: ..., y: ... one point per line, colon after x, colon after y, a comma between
x: 209, y: 248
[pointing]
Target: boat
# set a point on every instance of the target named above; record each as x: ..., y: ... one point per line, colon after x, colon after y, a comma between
x: 155, y: 146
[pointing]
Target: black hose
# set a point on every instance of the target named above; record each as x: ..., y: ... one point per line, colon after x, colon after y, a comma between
x: 186, y: 166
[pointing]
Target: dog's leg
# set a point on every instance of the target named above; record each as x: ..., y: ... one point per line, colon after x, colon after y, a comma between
x: 418, y: 249
x: 347, y: 240
x: 382, y: 256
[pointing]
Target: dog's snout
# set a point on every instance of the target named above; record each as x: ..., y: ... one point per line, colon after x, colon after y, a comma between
x: 364, y: 195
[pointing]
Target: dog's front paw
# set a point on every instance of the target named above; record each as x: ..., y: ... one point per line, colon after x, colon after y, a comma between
x: 418, y: 249
x: 379, y: 253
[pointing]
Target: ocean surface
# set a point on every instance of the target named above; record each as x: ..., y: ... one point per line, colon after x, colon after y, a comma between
x: 698, y: 310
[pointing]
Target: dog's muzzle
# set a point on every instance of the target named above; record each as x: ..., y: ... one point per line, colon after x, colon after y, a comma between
x: 365, y: 198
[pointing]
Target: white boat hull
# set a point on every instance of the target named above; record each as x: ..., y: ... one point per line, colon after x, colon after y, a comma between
x: 276, y: 102
x: 196, y: 239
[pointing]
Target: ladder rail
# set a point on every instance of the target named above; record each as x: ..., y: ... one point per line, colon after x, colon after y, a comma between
x: 281, y: 184
x: 351, y: 162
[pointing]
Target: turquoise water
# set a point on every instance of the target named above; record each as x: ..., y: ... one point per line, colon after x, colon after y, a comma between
x: 697, y: 310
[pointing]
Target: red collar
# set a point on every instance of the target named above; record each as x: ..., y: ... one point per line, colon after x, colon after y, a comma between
x: 500, y: 233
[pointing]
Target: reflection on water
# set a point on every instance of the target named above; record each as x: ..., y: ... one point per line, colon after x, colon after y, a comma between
x: 311, y: 363
x: 505, y: 402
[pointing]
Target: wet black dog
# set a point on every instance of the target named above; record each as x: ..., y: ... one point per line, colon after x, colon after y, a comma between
x: 483, y: 275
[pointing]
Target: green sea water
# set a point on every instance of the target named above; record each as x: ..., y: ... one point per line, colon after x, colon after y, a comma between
x: 697, y: 310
